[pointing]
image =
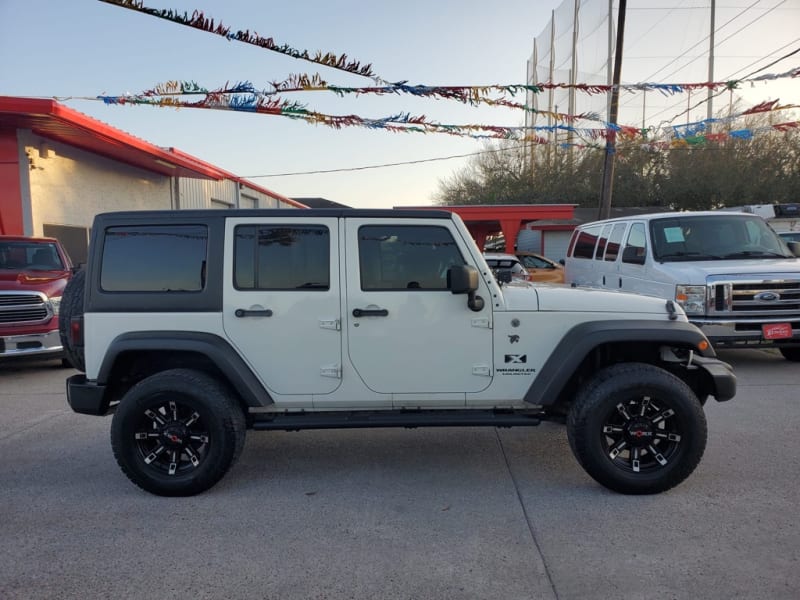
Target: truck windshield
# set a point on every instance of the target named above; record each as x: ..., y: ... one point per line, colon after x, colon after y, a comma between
x: 715, y: 237
x: 29, y: 256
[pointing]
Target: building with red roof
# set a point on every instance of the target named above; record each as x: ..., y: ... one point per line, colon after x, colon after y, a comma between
x: 60, y: 167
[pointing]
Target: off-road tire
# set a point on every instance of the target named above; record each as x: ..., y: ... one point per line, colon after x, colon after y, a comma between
x: 637, y: 429
x: 72, y: 306
x: 792, y: 354
x: 178, y: 432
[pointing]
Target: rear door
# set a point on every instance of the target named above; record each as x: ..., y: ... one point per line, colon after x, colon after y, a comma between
x: 282, y: 305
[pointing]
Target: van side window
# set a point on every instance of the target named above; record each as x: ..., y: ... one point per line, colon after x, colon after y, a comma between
x: 586, y: 242
x: 601, y: 243
x: 635, y: 250
x: 614, y: 241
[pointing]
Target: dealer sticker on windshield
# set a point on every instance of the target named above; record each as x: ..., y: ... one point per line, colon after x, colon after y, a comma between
x: 777, y: 331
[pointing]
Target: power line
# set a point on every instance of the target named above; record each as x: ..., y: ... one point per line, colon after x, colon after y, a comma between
x: 723, y: 91
x: 649, y: 77
x: 729, y: 77
x: 685, y: 52
x: 730, y: 36
x: 380, y: 166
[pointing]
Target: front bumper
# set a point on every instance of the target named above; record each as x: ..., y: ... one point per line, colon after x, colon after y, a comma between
x: 731, y: 334
x: 722, y: 378
x: 86, y: 397
x: 31, y: 344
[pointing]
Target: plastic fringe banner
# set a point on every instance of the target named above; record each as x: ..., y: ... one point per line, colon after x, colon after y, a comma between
x: 245, y: 101
x: 198, y: 20
x: 295, y: 83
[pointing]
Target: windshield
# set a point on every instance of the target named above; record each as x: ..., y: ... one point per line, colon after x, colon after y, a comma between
x: 30, y: 256
x: 715, y: 237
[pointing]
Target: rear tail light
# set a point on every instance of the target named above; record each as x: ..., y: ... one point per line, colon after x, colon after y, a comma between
x: 76, y: 331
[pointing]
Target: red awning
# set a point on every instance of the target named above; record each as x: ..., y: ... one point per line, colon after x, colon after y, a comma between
x: 51, y: 120
x: 485, y: 220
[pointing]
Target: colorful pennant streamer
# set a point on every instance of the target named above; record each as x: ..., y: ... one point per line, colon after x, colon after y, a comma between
x: 690, y: 134
x: 198, y: 20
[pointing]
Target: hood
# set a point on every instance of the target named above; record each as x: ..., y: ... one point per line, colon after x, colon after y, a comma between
x: 51, y: 283
x: 583, y: 299
x: 697, y: 271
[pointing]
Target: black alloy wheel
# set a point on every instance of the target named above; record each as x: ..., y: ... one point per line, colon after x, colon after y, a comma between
x: 171, y: 436
x: 177, y: 433
x: 637, y: 429
x: 641, y: 435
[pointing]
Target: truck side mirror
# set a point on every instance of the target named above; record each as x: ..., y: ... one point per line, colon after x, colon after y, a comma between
x: 631, y: 255
x: 463, y: 279
x: 503, y: 275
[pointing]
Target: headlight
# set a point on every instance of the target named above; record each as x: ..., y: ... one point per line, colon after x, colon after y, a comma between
x: 55, y: 304
x: 692, y: 298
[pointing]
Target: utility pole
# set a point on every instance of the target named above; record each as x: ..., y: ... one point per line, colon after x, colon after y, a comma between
x: 710, y: 113
x: 573, y: 79
x: 611, y: 134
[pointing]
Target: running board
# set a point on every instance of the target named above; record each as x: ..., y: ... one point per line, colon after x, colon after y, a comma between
x: 296, y: 421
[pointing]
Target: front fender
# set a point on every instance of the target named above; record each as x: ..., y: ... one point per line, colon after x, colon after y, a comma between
x: 582, y: 339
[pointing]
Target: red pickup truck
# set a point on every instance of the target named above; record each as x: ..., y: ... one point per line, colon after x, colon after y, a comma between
x: 33, y: 274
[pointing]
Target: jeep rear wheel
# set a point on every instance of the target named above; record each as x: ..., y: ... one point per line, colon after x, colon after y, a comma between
x: 72, y: 306
x: 177, y: 433
x: 637, y: 429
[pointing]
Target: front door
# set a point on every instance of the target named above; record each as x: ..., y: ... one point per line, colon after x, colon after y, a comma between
x: 407, y: 333
x: 282, y: 303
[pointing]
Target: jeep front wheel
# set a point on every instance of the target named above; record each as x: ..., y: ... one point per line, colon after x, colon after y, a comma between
x: 176, y: 433
x: 637, y: 429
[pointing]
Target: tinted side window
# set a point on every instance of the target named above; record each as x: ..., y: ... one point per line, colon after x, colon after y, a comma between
x: 284, y: 257
x: 586, y: 241
x: 601, y: 243
x: 533, y: 262
x: 612, y: 249
x: 403, y: 257
x: 154, y: 258
x: 635, y: 247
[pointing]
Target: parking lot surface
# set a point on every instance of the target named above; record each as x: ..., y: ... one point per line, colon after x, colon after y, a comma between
x: 401, y: 513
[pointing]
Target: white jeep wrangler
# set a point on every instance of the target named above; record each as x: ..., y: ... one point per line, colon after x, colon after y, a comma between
x: 193, y: 326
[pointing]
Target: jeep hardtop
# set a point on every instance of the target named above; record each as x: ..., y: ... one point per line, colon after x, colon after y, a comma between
x: 194, y: 326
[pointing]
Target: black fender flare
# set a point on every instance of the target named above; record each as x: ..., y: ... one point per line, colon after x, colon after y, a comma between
x: 579, y: 341
x: 216, y: 349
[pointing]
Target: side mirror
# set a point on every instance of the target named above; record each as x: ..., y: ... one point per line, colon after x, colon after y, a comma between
x: 463, y: 279
x: 503, y: 275
x: 562, y: 262
x: 631, y: 255
x: 794, y: 247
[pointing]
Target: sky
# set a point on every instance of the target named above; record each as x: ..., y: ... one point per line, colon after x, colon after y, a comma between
x: 77, y: 50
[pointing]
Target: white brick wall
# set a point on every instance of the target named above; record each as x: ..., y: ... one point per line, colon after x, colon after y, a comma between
x: 69, y: 186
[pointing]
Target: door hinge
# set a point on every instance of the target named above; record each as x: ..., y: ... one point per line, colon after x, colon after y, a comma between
x: 482, y: 370
x: 335, y: 324
x: 334, y: 371
x: 482, y: 322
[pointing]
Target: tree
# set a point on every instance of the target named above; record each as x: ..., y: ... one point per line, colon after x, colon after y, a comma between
x: 688, y: 174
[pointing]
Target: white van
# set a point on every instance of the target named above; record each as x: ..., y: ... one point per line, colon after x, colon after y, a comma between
x: 734, y: 277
